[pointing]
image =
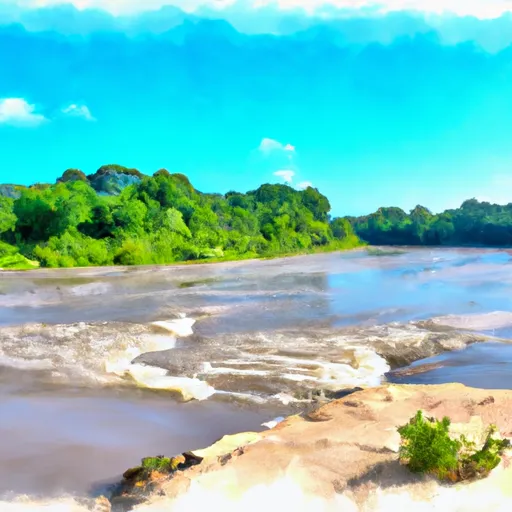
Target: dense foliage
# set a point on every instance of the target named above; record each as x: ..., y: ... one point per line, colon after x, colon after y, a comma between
x: 119, y: 216
x: 427, y: 447
x: 474, y: 223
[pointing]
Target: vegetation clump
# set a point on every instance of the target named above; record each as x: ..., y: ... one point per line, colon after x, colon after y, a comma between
x: 427, y: 448
x: 149, y: 466
x: 161, y: 464
x: 475, y: 223
x: 119, y: 216
x: 72, y: 175
x: 10, y: 259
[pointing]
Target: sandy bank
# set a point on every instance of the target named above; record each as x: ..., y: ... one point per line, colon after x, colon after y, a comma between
x: 343, y: 455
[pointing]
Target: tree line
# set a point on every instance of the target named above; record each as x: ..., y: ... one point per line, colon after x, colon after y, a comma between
x: 475, y: 223
x: 120, y: 216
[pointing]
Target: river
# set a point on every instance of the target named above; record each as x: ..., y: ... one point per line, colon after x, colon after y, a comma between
x: 100, y: 367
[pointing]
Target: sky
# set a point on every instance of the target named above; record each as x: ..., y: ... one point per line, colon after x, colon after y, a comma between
x: 389, y: 103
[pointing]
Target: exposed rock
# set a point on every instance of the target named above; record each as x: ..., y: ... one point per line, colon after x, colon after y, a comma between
x: 416, y: 370
x: 346, y: 447
x: 226, y: 445
x: 112, y: 179
x: 141, y: 481
x: 12, y: 191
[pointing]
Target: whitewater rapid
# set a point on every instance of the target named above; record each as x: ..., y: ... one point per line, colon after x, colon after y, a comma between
x: 286, y: 366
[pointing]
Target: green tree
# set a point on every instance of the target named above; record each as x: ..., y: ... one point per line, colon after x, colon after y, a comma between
x: 7, y: 216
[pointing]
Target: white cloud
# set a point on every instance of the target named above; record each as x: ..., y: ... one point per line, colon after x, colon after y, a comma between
x: 268, y: 145
x: 477, y: 8
x: 18, y: 112
x: 304, y: 185
x: 79, y: 111
x: 126, y: 6
x: 285, y: 174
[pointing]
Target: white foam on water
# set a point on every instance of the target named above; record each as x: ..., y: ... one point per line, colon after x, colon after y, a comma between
x: 297, y: 377
x: 233, y: 371
x: 181, y: 327
x: 359, y: 366
x: 121, y: 363
x: 243, y: 396
x: 286, y: 399
x: 157, y: 378
x: 368, y: 371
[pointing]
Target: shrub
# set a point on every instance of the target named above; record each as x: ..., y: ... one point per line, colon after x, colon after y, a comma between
x: 10, y: 258
x: 427, y: 448
x: 72, y: 249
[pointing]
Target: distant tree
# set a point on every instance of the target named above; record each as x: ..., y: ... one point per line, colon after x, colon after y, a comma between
x: 7, y: 216
x: 162, y: 172
x: 72, y: 175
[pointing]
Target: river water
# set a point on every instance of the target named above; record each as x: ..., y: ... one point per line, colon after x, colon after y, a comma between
x: 101, y: 367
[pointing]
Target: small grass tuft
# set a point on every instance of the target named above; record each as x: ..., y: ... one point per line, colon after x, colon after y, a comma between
x: 161, y: 464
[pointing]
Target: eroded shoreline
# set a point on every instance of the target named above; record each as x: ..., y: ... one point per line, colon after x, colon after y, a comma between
x: 342, y: 456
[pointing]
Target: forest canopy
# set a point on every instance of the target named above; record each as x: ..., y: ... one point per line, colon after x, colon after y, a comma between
x: 119, y: 216
x: 473, y: 224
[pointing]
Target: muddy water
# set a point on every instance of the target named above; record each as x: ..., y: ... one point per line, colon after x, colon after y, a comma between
x: 62, y: 441
x: 95, y: 364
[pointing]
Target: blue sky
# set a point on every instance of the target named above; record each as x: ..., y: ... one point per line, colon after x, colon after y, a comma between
x: 371, y: 103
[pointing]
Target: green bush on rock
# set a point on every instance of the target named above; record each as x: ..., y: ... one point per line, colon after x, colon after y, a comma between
x: 427, y: 448
x: 161, y: 464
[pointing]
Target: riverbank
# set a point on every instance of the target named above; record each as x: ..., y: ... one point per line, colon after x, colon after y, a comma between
x: 20, y: 263
x: 343, y: 455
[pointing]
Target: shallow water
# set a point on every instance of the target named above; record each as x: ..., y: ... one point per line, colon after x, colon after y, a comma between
x: 483, y: 365
x: 60, y: 441
x: 73, y: 345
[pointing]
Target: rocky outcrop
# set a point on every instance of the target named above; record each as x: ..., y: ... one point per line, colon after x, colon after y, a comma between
x: 344, y: 453
x: 112, y: 179
x: 12, y: 191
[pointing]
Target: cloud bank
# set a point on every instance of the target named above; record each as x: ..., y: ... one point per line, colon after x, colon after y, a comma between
x: 486, y: 23
x: 477, y: 8
x: 411, y: 98
x: 18, y: 112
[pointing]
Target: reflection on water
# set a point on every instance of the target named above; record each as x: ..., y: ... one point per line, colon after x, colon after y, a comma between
x: 263, y: 329
x: 277, y: 293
